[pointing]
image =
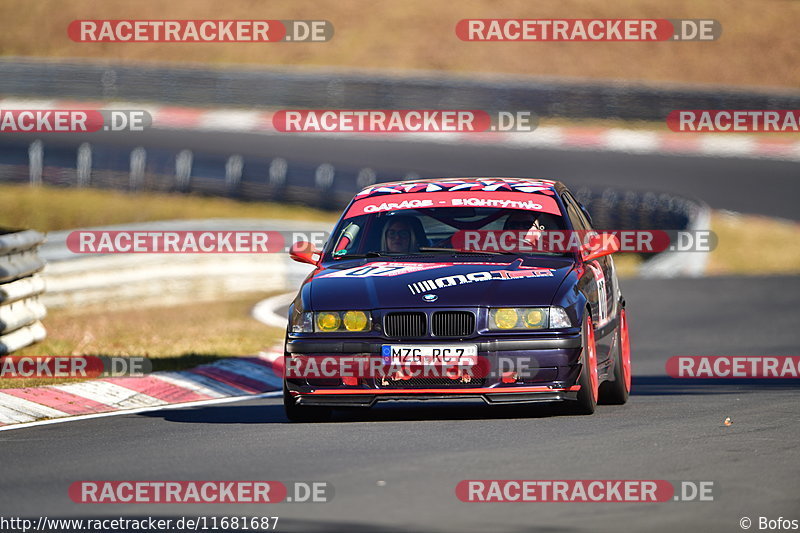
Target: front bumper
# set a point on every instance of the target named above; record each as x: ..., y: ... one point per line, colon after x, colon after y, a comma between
x: 352, y: 347
x: 492, y: 396
x: 555, y: 358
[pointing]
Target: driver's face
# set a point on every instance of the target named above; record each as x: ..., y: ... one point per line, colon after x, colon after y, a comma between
x: 398, y: 237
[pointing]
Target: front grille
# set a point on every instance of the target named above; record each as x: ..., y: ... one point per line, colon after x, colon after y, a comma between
x: 399, y: 325
x: 453, y: 323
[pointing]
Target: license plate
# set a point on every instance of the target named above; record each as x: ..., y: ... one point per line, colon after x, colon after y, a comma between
x: 430, y: 355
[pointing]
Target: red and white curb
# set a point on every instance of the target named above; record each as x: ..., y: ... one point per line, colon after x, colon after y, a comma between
x: 554, y: 137
x: 225, y: 380
x: 268, y: 311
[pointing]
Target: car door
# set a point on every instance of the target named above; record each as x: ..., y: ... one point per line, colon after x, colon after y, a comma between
x: 600, y: 286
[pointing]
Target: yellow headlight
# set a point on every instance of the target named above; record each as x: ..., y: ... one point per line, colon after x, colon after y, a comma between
x: 535, y: 318
x: 328, y: 321
x: 355, y: 321
x: 505, y: 318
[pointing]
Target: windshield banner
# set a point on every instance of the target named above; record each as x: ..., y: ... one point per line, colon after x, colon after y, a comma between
x: 500, y: 200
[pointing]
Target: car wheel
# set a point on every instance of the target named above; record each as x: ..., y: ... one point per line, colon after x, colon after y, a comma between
x: 303, y: 413
x: 588, y: 380
x: 616, y: 392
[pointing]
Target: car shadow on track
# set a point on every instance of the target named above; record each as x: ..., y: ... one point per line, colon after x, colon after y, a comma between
x: 422, y: 411
x: 272, y: 412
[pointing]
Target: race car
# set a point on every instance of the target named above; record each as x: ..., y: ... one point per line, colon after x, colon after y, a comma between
x: 453, y: 288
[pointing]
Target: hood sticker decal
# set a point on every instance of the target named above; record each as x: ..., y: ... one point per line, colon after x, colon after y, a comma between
x: 474, y: 277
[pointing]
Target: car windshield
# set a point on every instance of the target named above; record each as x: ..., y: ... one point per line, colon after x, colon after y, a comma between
x: 429, y: 230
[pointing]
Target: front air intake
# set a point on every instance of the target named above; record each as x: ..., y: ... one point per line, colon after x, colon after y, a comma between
x: 402, y: 325
x: 453, y: 323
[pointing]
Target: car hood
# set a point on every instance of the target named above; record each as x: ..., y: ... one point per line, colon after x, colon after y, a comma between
x: 402, y: 284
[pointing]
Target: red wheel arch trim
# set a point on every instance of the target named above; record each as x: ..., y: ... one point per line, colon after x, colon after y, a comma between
x: 626, y: 350
x: 591, y: 356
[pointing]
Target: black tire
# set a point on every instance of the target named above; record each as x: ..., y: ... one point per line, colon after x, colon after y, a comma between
x: 587, y: 401
x: 303, y: 413
x: 616, y: 392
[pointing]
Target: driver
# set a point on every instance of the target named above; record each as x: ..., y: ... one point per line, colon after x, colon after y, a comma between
x: 398, y: 235
x: 522, y: 221
x: 525, y: 221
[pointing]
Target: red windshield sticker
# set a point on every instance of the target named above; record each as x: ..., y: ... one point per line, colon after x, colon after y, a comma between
x: 501, y: 200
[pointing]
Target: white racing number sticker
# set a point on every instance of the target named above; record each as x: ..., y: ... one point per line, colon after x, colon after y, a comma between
x: 602, y: 302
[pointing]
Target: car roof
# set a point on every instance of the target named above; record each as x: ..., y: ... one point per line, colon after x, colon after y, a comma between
x: 524, y: 185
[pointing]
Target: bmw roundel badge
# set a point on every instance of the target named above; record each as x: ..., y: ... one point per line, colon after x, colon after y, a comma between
x: 430, y: 297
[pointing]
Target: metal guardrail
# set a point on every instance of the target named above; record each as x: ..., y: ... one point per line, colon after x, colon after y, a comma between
x: 264, y: 178
x: 21, y: 311
x: 331, y: 89
x: 134, y: 169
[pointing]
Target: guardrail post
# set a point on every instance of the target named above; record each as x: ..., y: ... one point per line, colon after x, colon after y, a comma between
x: 234, y: 167
x: 365, y: 178
x: 277, y: 177
x: 35, y: 162
x: 324, y: 177
x: 138, y: 162
x: 183, y: 170
x: 84, y: 165
x: 278, y: 168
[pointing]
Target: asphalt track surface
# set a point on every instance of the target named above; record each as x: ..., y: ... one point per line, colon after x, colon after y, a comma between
x: 757, y: 186
x: 670, y: 429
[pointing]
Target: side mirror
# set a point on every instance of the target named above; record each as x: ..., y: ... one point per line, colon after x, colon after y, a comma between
x: 305, y: 252
x: 600, y: 245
